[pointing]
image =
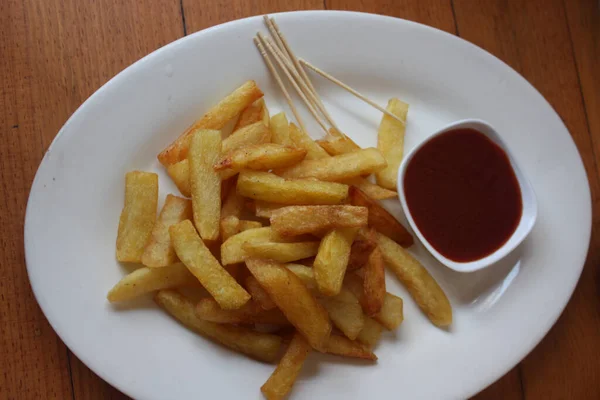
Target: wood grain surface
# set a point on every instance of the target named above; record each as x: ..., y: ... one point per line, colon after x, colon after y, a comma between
x: 54, y: 54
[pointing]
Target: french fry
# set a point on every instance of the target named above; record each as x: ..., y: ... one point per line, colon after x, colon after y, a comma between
x: 261, y: 346
x: 283, y: 378
x: 301, y: 139
x: 232, y: 251
x: 332, y: 260
x: 390, y: 140
x: 272, y: 188
x: 159, y: 251
x: 280, y: 130
x: 371, y: 189
x: 428, y: 295
x: 296, y: 220
x: 281, y: 252
x: 233, y: 204
x: 374, y: 283
x: 255, y: 112
x: 361, y: 249
x: 381, y: 219
x: 391, y: 314
x: 370, y: 333
x: 306, y: 275
x: 205, y: 183
x: 138, y: 215
x: 259, y: 295
x: 265, y: 209
x: 342, y: 346
x: 343, y: 166
x: 247, y: 225
x: 255, y: 133
x: 146, y: 280
x: 294, y: 299
x: 215, y: 118
x: 197, y: 257
x: 180, y: 175
x: 338, y: 145
x: 345, y: 312
x: 263, y: 157
x: 230, y: 226
x: 250, y: 313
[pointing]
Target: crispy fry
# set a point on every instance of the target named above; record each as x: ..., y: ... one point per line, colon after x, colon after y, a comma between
x: 390, y: 140
x: 232, y: 251
x: 146, y: 280
x: 265, y: 209
x: 294, y: 300
x: 280, y: 130
x: 195, y: 255
x: 338, y: 145
x: 215, y: 118
x: 233, y: 204
x: 281, y: 252
x: 345, y: 313
x: 296, y: 220
x: 342, y: 346
x: 229, y: 226
x: 420, y: 284
x: 261, y: 346
x: 283, y: 378
x: 301, y: 139
x: 344, y: 166
x: 272, y: 188
x: 306, y: 275
x: 159, y: 251
x: 263, y: 157
x: 332, y: 260
x: 138, y: 215
x: 180, y: 175
x: 205, y: 182
x: 374, y: 283
x: 250, y: 313
x: 247, y: 225
x: 380, y: 218
x: 255, y: 133
x: 370, y: 333
x: 255, y: 112
x: 391, y: 314
x: 259, y: 295
x: 371, y: 189
x: 361, y: 249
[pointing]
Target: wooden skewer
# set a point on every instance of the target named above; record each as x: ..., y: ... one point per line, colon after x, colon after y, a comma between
x: 349, y: 89
x: 279, y: 82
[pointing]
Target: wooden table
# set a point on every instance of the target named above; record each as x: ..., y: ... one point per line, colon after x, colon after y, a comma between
x: 54, y: 54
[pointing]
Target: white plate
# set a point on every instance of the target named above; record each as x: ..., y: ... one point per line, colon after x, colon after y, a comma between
x: 501, y: 313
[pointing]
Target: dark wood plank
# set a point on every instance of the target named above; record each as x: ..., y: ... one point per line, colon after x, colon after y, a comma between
x: 54, y: 55
x: 533, y: 37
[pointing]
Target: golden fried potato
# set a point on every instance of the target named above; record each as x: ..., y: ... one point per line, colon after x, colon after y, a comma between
x: 301, y: 140
x: 272, y: 188
x: 294, y: 299
x: 332, y: 260
x: 374, y: 283
x: 262, y: 157
x: 159, y: 251
x: 247, y: 225
x: 138, y: 215
x: 306, y: 275
x: 345, y: 312
x: 259, y: 295
x: 342, y: 346
x: 343, y: 166
x: 255, y: 112
x: 216, y: 118
x: 232, y: 251
x: 180, y: 175
x: 230, y: 226
x: 297, y: 220
x: 390, y: 140
x: 338, y: 145
x: 197, y: 257
x: 380, y: 218
x: 281, y: 252
x: 371, y: 189
x: 205, y: 183
x: 265, y: 209
x: 420, y: 284
x: 233, y: 204
x: 261, y: 346
x: 283, y: 378
x: 255, y: 133
x: 146, y: 280
x: 370, y: 333
x: 361, y: 249
x: 250, y: 313
x: 280, y: 130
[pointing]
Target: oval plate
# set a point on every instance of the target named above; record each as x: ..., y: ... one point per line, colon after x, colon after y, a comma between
x: 500, y: 313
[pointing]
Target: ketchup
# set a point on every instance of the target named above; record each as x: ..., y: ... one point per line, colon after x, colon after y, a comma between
x: 463, y: 194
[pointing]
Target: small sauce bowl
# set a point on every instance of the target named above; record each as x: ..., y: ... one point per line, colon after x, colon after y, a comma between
x: 523, y: 225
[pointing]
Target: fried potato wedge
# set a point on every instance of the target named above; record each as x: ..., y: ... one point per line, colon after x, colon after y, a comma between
x: 261, y: 346
x: 259, y: 295
x: 391, y: 314
x: 306, y: 275
x: 280, y: 132
x: 283, y: 378
x: 216, y: 118
x: 371, y: 189
x: 232, y: 251
x: 345, y: 312
x: 428, y: 295
x: 294, y: 299
x: 138, y: 215
x: 374, y: 283
x: 262, y: 157
x: 180, y: 175
x: 364, y: 243
x: 390, y: 141
x: 297, y: 220
x: 192, y: 251
x: 250, y: 313
x: 301, y: 140
x: 255, y: 133
x: 159, y: 251
x: 338, y: 145
x: 255, y: 112
x: 380, y: 218
x: 205, y: 183
x: 146, y: 280
x: 332, y: 260
x: 342, y: 346
x: 370, y: 333
x: 272, y: 188
x: 337, y: 168
x: 281, y: 252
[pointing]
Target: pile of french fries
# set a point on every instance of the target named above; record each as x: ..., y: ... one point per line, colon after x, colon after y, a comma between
x: 282, y: 238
